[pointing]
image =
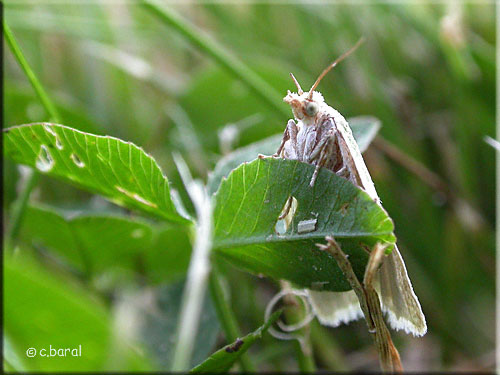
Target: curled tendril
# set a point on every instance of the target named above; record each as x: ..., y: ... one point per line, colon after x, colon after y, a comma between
x: 284, y: 335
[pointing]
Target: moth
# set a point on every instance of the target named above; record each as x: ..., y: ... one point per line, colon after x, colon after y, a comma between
x: 320, y: 135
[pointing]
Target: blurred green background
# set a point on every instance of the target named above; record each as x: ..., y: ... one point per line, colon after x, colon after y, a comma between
x: 427, y: 71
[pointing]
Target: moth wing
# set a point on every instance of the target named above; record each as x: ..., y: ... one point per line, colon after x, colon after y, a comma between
x: 334, y: 308
x: 398, y: 299
x: 350, y: 152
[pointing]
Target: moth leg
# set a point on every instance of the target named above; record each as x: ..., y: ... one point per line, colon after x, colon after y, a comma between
x: 328, y: 129
x: 320, y: 163
x: 289, y: 134
x: 327, y: 141
x: 343, y: 171
x: 325, y: 156
x: 317, y: 149
x: 314, y: 176
x: 326, y: 151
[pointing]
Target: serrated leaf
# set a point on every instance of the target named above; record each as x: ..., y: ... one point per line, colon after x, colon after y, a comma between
x: 223, y: 359
x: 247, y: 206
x: 364, y: 129
x: 120, y: 171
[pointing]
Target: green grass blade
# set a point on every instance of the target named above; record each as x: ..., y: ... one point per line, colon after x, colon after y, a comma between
x: 260, y: 87
x: 223, y: 359
x: 37, y: 86
x: 32, y: 179
x: 227, y: 318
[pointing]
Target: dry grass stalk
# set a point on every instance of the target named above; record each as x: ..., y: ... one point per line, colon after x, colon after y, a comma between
x: 369, y: 302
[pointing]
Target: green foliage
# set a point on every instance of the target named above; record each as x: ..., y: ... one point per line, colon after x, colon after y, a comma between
x: 69, y: 317
x: 29, y: 109
x: 364, y: 130
x: 255, y: 120
x: 426, y: 72
x: 160, y: 319
x: 96, y: 243
x: 247, y: 206
x: 120, y: 171
x: 223, y: 359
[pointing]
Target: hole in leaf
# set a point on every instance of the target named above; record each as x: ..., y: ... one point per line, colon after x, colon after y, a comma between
x: 44, y: 161
x: 79, y: 163
x: 59, y: 144
x: 49, y: 129
x: 306, y: 226
x: 286, y: 216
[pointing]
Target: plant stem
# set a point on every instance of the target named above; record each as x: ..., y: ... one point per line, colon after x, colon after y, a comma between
x: 32, y: 178
x: 42, y: 95
x: 199, y: 269
x: 194, y: 290
x: 227, y: 318
x: 326, y: 349
x: 305, y: 357
x: 236, y: 67
x: 369, y: 302
x: 302, y: 343
x: 19, y: 206
x: 433, y: 180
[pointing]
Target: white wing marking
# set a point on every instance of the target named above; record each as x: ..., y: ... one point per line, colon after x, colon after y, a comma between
x: 335, y: 308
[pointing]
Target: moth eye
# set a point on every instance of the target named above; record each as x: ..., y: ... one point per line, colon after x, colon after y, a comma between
x: 311, y: 109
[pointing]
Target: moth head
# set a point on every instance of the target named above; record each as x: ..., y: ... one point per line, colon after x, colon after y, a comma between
x: 305, y: 106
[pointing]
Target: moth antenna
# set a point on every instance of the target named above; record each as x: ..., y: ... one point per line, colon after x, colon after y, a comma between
x: 330, y: 67
x: 299, y: 89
